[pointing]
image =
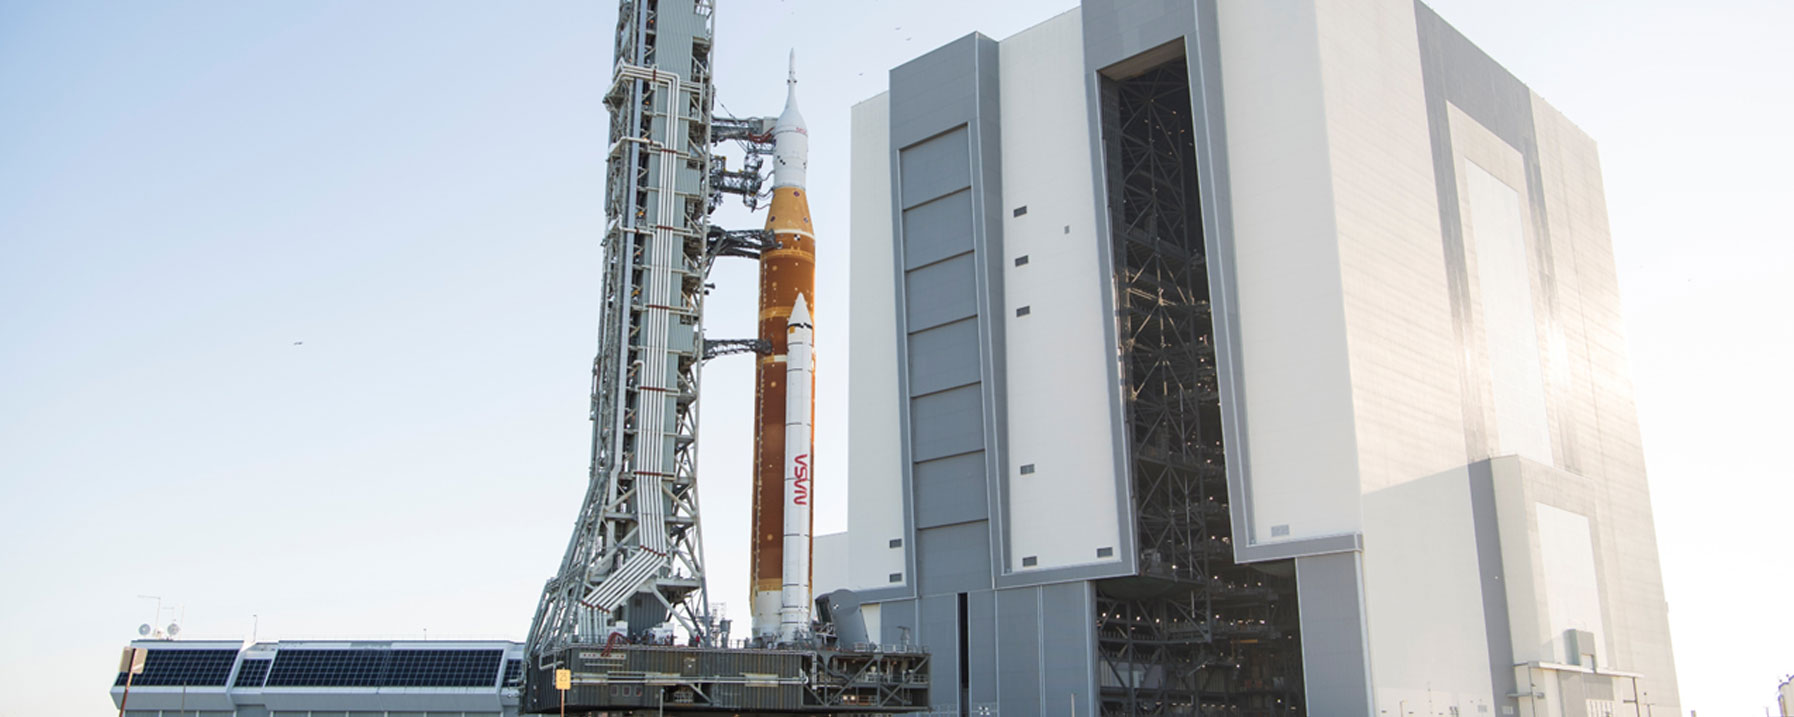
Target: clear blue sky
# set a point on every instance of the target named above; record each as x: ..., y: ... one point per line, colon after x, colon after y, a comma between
x: 414, y: 190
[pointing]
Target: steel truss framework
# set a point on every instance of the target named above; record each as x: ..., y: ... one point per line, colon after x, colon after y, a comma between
x: 636, y: 551
x: 744, y: 243
x: 754, y: 136
x: 726, y: 347
x: 1192, y: 633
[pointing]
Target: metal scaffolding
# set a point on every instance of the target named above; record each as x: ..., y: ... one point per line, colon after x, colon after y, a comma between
x: 1192, y: 633
x: 635, y: 556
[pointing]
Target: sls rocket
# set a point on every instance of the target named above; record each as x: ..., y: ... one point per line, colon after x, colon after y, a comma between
x: 783, y: 487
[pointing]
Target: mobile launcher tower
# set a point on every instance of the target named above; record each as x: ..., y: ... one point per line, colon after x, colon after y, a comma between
x: 625, y: 625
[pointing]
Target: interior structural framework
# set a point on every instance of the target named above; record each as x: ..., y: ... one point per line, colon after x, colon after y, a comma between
x: 1193, y: 632
x: 1186, y: 387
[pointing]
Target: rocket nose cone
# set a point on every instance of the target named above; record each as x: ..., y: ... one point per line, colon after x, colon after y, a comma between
x: 791, y: 118
x: 800, y: 312
x: 791, y: 139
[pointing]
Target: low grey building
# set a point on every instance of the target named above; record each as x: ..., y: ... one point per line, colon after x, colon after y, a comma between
x: 318, y: 678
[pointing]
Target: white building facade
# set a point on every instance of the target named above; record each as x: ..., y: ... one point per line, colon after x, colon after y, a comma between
x: 1244, y: 358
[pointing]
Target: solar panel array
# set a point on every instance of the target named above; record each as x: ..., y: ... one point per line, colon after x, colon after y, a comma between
x: 513, y: 672
x: 327, y: 668
x: 385, y: 668
x: 252, y: 672
x: 184, y: 668
x: 444, y: 668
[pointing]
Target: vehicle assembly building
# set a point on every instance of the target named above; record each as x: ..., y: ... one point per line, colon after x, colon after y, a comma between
x: 1244, y: 358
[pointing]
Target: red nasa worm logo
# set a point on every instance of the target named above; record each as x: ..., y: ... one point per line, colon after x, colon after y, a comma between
x: 801, y: 481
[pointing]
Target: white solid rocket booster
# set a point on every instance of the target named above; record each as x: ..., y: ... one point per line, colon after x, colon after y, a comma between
x: 800, y: 369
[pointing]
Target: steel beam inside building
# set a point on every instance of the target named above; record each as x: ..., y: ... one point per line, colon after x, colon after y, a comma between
x: 1193, y: 632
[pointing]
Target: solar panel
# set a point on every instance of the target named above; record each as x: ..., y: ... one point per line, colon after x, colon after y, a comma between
x: 327, y: 668
x: 444, y: 668
x: 252, y: 672
x: 188, y: 668
x: 513, y: 672
x: 385, y: 668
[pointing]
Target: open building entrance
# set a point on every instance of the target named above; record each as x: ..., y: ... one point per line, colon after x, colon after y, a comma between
x: 1193, y: 633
